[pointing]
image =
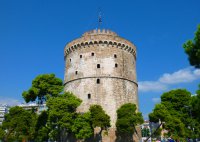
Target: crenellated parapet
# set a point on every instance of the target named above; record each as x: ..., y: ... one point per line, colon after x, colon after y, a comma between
x: 98, y: 37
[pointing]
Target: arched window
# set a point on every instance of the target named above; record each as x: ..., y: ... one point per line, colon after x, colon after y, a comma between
x: 116, y: 65
x: 115, y: 56
x: 70, y: 60
x: 80, y: 56
x: 92, y: 54
x: 76, y: 72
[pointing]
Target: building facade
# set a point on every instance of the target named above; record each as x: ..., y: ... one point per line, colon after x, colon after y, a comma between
x: 3, y: 110
x: 38, y: 108
x: 100, y: 68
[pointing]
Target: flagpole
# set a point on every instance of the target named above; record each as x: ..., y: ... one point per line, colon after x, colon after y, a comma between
x: 99, y: 20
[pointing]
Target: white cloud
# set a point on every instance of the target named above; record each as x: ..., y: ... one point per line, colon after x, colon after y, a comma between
x: 180, y: 76
x: 9, y: 101
x: 185, y: 75
x: 156, y: 100
x: 146, y: 86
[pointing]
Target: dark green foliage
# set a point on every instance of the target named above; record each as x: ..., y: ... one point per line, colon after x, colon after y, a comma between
x: 2, y: 134
x: 62, y: 112
x: 176, y: 99
x: 43, y: 85
x: 19, y: 124
x: 98, y: 117
x: 196, y: 105
x: 128, y: 118
x: 160, y: 112
x: 192, y: 49
x: 41, y: 128
x: 175, y: 111
x: 145, y: 132
x: 82, y: 126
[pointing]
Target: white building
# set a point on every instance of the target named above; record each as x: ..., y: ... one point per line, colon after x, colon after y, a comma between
x: 37, y: 107
x: 3, y: 110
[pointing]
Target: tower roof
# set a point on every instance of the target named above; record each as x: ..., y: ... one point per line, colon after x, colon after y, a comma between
x: 100, y: 32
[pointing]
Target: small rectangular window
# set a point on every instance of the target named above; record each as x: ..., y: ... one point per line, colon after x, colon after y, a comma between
x: 76, y: 72
x: 98, y: 81
x: 116, y: 65
x: 80, y: 56
x: 89, y: 96
x: 98, y: 65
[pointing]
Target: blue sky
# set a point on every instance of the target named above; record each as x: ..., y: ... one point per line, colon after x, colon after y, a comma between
x: 33, y: 35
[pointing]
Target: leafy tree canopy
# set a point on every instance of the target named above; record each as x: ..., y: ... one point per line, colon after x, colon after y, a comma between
x: 62, y: 111
x: 99, y: 118
x: 196, y: 105
x: 41, y: 127
x: 192, y: 49
x: 145, y: 132
x: 128, y: 118
x: 2, y: 133
x: 43, y: 85
x: 19, y: 124
x: 176, y: 99
x: 82, y: 126
x: 175, y: 111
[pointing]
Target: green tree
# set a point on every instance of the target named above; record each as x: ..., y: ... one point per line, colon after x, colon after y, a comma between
x: 145, y: 132
x: 99, y: 118
x: 173, y: 111
x: 82, y: 126
x: 43, y: 85
x: 128, y: 119
x: 192, y: 49
x: 176, y: 99
x: 61, y: 114
x: 194, y: 111
x: 19, y: 124
x: 196, y: 105
x: 42, y: 130
x: 2, y: 134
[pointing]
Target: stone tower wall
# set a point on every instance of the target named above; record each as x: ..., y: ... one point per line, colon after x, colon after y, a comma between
x: 105, y: 57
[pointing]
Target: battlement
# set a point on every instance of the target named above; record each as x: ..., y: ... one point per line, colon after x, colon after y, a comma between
x: 98, y: 37
x: 99, y: 32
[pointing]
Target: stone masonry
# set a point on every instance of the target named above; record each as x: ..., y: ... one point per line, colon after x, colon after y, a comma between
x: 100, y: 68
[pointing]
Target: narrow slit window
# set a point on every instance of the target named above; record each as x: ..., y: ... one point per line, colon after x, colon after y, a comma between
x: 70, y: 60
x: 98, y: 81
x: 98, y: 65
x: 92, y: 54
x: 116, y: 65
x: 76, y: 72
x: 80, y: 56
x: 89, y: 96
x: 115, y: 56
